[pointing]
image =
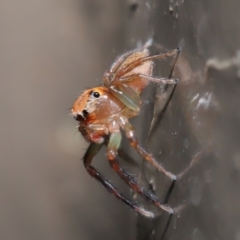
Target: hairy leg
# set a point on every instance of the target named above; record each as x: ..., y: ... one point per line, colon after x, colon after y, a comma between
x: 140, y: 61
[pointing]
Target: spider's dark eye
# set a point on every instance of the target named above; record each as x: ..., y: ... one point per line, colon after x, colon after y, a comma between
x: 96, y: 94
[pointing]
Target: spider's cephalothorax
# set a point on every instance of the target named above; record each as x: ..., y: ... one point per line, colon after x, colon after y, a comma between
x: 102, y: 111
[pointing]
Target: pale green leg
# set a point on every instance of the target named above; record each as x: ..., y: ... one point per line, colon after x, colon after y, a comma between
x: 114, y: 144
x: 127, y: 96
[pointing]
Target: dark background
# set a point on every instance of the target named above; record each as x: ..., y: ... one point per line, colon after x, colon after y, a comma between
x: 50, y: 51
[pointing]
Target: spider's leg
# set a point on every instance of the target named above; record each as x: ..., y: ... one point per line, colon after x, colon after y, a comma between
x: 107, y: 77
x: 174, y: 63
x: 140, y: 77
x: 130, y: 180
x: 193, y: 161
x: 127, y: 96
x: 157, y: 119
x: 120, y: 60
x: 129, y: 130
x: 127, y: 89
x: 140, y: 61
x: 93, y: 149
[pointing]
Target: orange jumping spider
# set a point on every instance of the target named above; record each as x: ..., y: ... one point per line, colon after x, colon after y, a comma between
x: 102, y: 111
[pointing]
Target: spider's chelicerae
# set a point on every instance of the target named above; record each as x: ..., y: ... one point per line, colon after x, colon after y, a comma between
x: 102, y: 111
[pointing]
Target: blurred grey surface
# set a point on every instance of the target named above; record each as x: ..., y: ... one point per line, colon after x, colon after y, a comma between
x: 50, y: 51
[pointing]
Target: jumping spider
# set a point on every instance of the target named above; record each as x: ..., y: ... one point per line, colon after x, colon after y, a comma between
x: 102, y: 111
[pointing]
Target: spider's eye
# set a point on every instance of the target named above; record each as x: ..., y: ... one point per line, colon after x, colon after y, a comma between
x: 96, y: 94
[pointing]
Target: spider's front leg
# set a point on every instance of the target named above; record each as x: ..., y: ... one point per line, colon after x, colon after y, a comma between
x: 113, y: 145
x: 92, y: 150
